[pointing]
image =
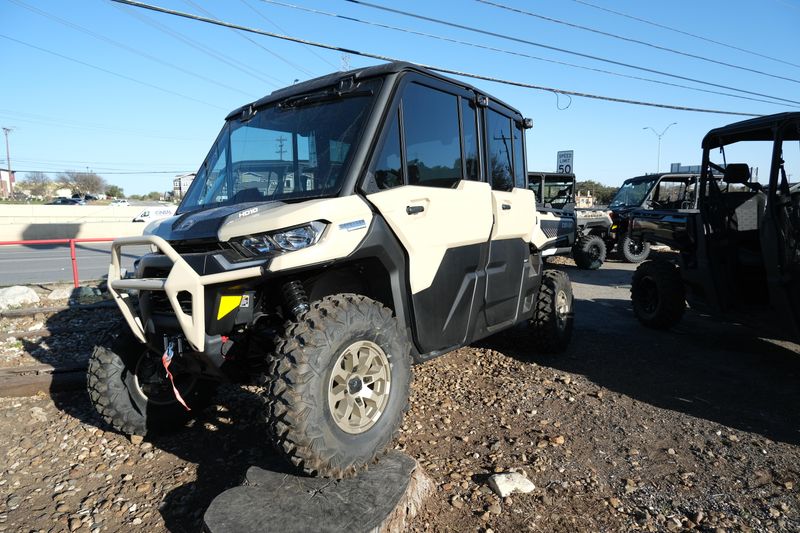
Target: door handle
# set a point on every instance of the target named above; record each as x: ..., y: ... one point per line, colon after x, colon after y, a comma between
x: 506, y: 207
x: 414, y: 209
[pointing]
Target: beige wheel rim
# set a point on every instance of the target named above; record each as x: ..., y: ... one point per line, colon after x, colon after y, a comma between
x: 358, y: 390
x: 562, y: 308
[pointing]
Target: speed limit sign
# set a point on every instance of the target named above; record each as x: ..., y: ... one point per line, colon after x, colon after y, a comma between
x: 564, y: 162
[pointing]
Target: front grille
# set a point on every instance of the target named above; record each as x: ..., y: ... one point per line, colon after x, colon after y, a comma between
x: 199, y: 247
x: 159, y: 303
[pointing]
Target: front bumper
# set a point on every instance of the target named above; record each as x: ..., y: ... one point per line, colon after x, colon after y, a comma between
x: 181, y: 278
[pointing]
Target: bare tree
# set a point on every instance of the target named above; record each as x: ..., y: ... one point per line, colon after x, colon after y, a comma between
x: 37, y: 182
x: 82, y: 182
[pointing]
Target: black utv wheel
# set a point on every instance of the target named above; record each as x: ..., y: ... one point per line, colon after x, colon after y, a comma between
x: 634, y: 250
x: 339, y: 386
x: 589, y: 252
x: 129, y: 388
x: 657, y: 294
x: 552, y: 320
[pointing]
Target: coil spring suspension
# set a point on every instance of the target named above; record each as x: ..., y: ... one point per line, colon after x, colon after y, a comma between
x: 295, y: 298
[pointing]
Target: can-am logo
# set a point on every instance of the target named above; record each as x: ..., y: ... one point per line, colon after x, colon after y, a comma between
x: 247, y: 212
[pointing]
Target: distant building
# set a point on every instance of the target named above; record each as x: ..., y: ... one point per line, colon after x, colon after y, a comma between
x: 677, y: 168
x: 584, y: 200
x: 180, y: 184
x: 6, y: 183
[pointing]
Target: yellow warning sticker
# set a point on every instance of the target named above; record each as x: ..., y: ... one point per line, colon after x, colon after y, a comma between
x: 228, y: 304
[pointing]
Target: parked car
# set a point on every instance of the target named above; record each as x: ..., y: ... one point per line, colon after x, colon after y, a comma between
x: 66, y: 201
x: 121, y: 202
x: 85, y: 197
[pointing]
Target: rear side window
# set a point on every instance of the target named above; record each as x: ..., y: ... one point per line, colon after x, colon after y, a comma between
x: 499, y: 145
x: 519, y: 160
x: 469, y: 123
x: 387, y: 172
x: 433, y: 146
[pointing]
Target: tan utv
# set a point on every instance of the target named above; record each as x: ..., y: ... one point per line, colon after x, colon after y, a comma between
x: 338, y: 230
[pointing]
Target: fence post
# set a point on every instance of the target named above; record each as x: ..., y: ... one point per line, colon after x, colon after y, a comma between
x: 74, y: 263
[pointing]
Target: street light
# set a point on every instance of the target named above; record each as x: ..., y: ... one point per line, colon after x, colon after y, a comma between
x: 659, y: 135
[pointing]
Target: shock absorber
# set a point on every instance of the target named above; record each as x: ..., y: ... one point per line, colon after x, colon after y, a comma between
x: 295, y: 297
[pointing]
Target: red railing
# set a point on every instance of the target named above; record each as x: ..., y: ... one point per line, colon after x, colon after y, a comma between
x: 71, y: 243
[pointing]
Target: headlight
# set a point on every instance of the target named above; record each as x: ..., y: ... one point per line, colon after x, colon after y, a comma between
x: 287, y: 240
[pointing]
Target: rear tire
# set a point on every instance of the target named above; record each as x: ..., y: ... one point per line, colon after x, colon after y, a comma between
x: 330, y: 413
x: 658, y: 294
x: 121, y: 373
x: 589, y: 252
x: 632, y: 250
x: 553, y: 318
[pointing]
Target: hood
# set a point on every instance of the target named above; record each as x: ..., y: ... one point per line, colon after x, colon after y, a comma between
x: 202, y: 224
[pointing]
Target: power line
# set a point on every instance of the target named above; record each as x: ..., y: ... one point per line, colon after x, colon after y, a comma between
x: 263, y: 16
x: 431, y: 67
x: 632, y: 40
x: 117, y: 74
x: 682, y: 32
x: 118, y: 44
x: 119, y: 173
x: 57, y: 123
x: 515, y: 53
x: 563, y: 50
x: 253, y: 42
x: 200, y: 47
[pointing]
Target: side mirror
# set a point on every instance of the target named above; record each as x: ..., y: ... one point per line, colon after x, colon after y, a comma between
x: 736, y: 173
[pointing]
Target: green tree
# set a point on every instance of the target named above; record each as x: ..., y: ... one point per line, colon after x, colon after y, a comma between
x: 153, y: 195
x: 115, y: 191
x: 602, y: 193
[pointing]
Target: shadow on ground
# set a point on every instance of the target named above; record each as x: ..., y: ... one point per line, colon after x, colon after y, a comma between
x: 705, y: 368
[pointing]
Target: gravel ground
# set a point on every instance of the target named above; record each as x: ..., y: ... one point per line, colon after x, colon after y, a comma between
x: 696, y: 428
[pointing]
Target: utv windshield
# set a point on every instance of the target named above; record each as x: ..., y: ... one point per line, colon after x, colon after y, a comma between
x: 295, y: 149
x: 632, y: 193
x: 558, y: 192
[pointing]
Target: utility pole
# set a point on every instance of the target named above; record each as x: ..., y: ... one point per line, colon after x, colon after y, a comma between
x: 6, y: 131
x: 281, y: 150
x: 659, y: 135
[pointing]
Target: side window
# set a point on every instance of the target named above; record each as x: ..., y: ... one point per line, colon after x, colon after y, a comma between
x: 498, y: 129
x: 519, y: 160
x: 387, y: 172
x: 433, y: 146
x: 469, y: 125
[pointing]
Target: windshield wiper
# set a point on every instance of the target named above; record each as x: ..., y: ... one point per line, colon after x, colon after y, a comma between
x: 321, y: 96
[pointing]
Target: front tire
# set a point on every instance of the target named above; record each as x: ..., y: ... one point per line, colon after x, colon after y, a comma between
x: 657, y: 294
x: 128, y: 386
x: 339, y: 386
x: 589, y: 252
x: 633, y: 250
x: 552, y: 320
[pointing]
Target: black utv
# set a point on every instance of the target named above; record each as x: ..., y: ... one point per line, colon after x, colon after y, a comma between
x: 738, y: 240
x: 652, y: 191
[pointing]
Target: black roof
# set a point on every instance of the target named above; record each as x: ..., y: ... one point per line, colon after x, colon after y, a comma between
x: 384, y: 69
x: 755, y: 129
x: 659, y: 175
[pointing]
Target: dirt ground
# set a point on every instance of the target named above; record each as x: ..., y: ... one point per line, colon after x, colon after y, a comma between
x: 631, y: 429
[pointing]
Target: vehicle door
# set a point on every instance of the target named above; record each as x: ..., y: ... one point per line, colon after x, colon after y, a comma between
x: 514, y: 210
x: 425, y: 182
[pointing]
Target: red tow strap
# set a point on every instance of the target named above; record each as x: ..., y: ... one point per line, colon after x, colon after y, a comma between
x: 166, y: 359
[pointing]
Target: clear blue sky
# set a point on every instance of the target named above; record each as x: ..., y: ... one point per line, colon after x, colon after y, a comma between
x: 68, y: 115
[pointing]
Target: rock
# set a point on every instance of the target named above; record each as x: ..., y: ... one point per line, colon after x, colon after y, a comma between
x: 774, y: 513
x: 557, y: 440
x: 506, y: 483
x: 38, y: 414
x: 136, y: 439
x: 74, y: 524
x: 495, y: 508
x: 457, y: 502
x: 63, y: 292
x: 36, y: 326
x: 614, y: 502
x: 16, y: 296
x: 671, y: 451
